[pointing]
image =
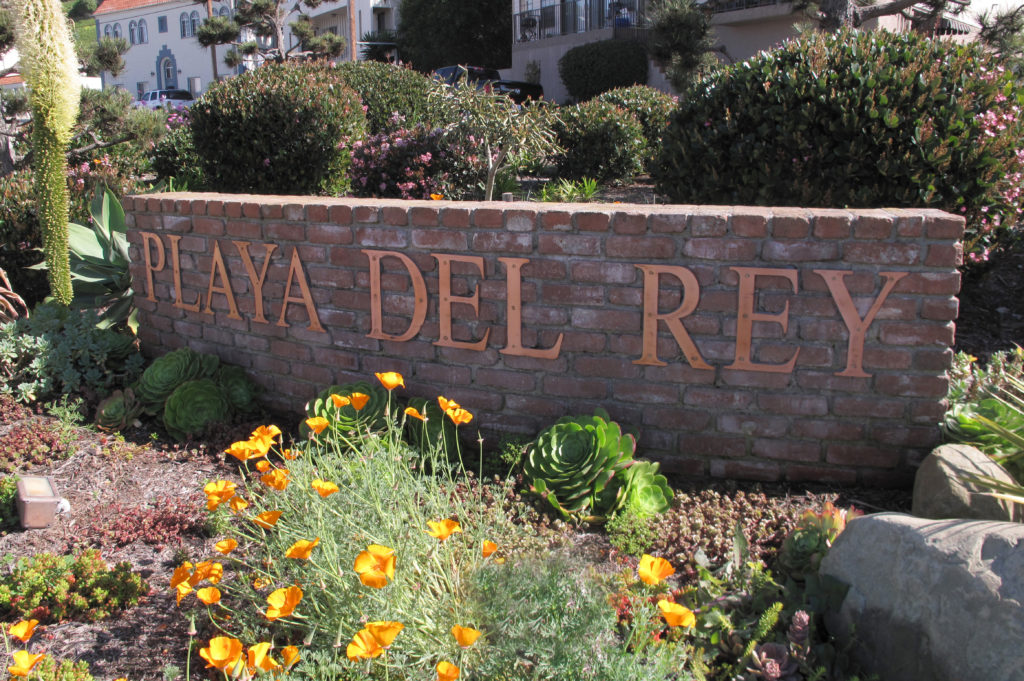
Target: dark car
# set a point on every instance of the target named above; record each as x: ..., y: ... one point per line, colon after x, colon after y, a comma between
x: 490, y: 80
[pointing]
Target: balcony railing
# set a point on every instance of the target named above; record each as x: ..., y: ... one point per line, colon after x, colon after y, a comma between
x: 579, y: 16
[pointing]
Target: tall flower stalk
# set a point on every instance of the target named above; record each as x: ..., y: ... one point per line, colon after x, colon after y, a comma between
x: 50, y: 69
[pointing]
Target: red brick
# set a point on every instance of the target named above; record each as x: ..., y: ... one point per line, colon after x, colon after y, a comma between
x: 424, y: 217
x: 487, y: 218
x: 379, y: 237
x: 520, y: 220
x: 790, y: 227
x: 832, y: 227
x: 605, y: 272
x: 930, y: 283
x: 799, y: 405
x: 912, y: 386
x: 339, y: 215
x: 503, y: 242
x: 921, y: 333
x: 366, y: 214
x: 909, y: 226
x: 945, y: 255
x: 648, y: 248
x: 933, y: 360
x: 872, y: 227
x: 295, y: 212
x: 800, y: 251
x: 911, y: 436
x: 817, y: 380
x: 575, y: 387
x: 455, y: 217
x: 676, y: 418
x: 746, y: 470
x: 394, y: 216
x: 755, y: 379
x: 866, y: 407
x: 277, y: 231
x: 882, y: 253
x: 822, y: 474
x: 946, y: 227
x: 822, y: 429
x: 930, y: 411
x: 208, y: 226
x: 568, y: 244
x: 592, y: 222
x: 862, y: 455
x: 539, y: 406
x: 440, y: 239
x: 316, y: 213
x: 517, y: 381
x: 628, y: 223
x: 573, y: 295
x: 606, y: 320
x: 556, y: 219
x: 252, y: 210
x: 576, y: 341
x: 438, y: 374
x: 732, y: 250
x: 246, y: 230
x: 755, y: 226
x: 886, y: 358
x: 692, y: 468
x: 753, y: 425
x: 940, y: 309
x: 329, y: 234
x: 717, y: 398
x: 709, y: 225
x: 713, y: 445
x: 787, y: 450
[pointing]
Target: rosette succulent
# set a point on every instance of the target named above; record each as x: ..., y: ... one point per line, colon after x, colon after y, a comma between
x: 238, y: 388
x: 118, y: 410
x: 645, y: 491
x: 348, y: 417
x: 804, y: 548
x: 168, y: 372
x: 573, y: 464
x: 193, y: 407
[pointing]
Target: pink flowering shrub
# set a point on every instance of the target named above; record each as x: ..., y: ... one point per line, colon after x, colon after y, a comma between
x: 415, y: 162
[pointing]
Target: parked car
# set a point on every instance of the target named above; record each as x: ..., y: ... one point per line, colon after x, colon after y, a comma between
x: 490, y: 80
x: 165, y: 99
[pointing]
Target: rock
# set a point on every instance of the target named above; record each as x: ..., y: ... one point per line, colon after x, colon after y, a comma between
x: 931, y: 600
x: 940, y: 493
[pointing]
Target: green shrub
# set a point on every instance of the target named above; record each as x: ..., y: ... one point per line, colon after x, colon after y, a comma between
x: 8, y: 511
x: 20, y: 237
x: 58, y: 350
x: 174, y: 156
x: 281, y: 128
x: 387, y: 89
x: 54, y: 588
x: 600, y: 141
x: 589, y: 70
x: 853, y: 119
x: 652, y: 108
x: 49, y: 669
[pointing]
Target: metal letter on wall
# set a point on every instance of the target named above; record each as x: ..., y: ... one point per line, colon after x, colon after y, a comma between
x: 446, y: 300
x: 514, y: 314
x: 419, y: 290
x: 673, y: 319
x: 147, y: 239
x: 176, y: 272
x: 217, y: 269
x: 295, y: 272
x: 745, y: 318
x: 254, y: 279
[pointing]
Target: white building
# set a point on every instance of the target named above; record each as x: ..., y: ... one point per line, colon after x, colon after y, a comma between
x: 165, y: 53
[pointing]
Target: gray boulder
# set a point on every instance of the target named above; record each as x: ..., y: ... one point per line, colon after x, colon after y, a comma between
x: 939, y: 491
x: 931, y: 600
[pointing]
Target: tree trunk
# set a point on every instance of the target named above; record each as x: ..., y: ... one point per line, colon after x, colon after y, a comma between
x: 837, y: 14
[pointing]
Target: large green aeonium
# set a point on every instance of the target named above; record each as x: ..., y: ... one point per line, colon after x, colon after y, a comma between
x: 573, y: 463
x: 193, y: 407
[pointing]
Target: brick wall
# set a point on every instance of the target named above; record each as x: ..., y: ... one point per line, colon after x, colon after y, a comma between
x: 766, y: 344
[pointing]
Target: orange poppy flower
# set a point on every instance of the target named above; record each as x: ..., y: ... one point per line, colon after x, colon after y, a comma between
x: 359, y: 400
x: 302, y: 549
x: 289, y: 454
x: 23, y: 630
x: 282, y: 602
x: 363, y: 646
x: 260, y: 582
x: 317, y: 424
x: 181, y: 574
x: 489, y: 547
x: 225, y: 546
x: 244, y: 450
x: 384, y: 632
x: 676, y: 615
x: 340, y: 401
x: 411, y: 411
x: 260, y: 446
x: 183, y: 589
x: 446, y: 404
x: 263, y: 465
x: 652, y: 570
x: 466, y: 636
x: 222, y: 653
x: 290, y: 655
x: 375, y: 566
x: 459, y: 416
x: 436, y: 197
x: 217, y: 492
x: 265, y: 433
x: 238, y: 504
x: 276, y: 479
x: 267, y: 519
x: 208, y: 570
x: 24, y: 661
x: 442, y: 529
x: 390, y: 379
x: 446, y: 671
x: 209, y: 595
x: 258, y: 659
x: 324, y: 488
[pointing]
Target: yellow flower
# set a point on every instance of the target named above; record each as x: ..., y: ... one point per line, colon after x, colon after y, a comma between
x: 390, y: 379
x: 209, y: 595
x: 442, y: 529
x: 290, y: 655
x: 181, y: 574
x: 263, y: 465
x: 676, y: 615
x: 259, y: 659
x: 267, y: 519
x: 183, y: 589
x: 459, y: 416
x: 24, y: 661
x: 244, y: 450
x: 466, y: 636
x: 359, y: 400
x: 302, y: 548
x: 217, y: 492
x: 276, y: 479
x: 223, y: 652
x: 225, y: 546
x: 363, y: 646
x: 324, y: 488
x: 489, y: 547
x: 265, y: 435
x: 207, y: 570
x: 238, y: 504
x: 282, y: 602
x: 436, y: 197
x: 23, y: 630
x: 375, y: 566
x: 260, y: 446
x: 317, y: 424
x: 384, y: 632
x: 411, y: 411
x: 340, y: 401
x: 289, y: 454
x: 652, y: 570
x: 446, y: 671
x: 446, y: 404
x: 260, y: 582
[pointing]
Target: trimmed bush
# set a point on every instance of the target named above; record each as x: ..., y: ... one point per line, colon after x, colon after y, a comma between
x: 278, y: 129
x: 853, y: 119
x: 600, y: 141
x: 387, y: 89
x: 652, y: 108
x: 589, y: 70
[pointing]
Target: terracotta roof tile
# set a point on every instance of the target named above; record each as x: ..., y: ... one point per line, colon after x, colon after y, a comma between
x: 11, y: 79
x: 108, y: 6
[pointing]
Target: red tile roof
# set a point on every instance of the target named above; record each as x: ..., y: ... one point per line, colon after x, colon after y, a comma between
x: 108, y: 6
x: 11, y: 79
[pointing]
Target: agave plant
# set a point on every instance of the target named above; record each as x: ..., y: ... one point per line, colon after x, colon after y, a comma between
x: 238, y: 388
x: 573, y: 463
x: 348, y: 417
x: 645, y: 491
x: 118, y: 411
x: 166, y: 373
x: 193, y: 407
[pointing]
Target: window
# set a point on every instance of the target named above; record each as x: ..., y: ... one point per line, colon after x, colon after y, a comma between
x: 143, y: 31
x: 184, y: 25
x: 106, y: 31
x: 195, y: 23
x: 223, y: 11
x: 131, y: 32
x: 117, y: 30
x: 161, y: 24
x: 168, y: 68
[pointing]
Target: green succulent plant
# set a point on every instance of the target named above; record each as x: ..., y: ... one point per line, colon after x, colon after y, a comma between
x: 348, y: 417
x: 437, y: 430
x: 574, y: 462
x: 118, y: 410
x: 166, y: 373
x: 807, y: 544
x: 646, y: 492
x: 193, y: 407
x: 241, y: 392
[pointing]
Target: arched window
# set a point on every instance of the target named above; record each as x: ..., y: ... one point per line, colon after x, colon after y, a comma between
x: 195, y: 22
x: 223, y: 11
x: 131, y: 32
x: 184, y: 25
x: 168, y: 68
x: 106, y: 31
x: 117, y: 30
x: 143, y: 32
